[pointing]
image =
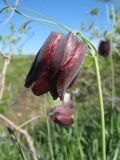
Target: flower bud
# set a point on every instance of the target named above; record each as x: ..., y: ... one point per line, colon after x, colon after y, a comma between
x: 104, y: 48
x: 62, y: 114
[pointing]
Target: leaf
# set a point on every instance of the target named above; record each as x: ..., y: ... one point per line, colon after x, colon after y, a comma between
x: 12, y: 27
x: 1, y: 37
x: 91, y: 25
x: 94, y: 11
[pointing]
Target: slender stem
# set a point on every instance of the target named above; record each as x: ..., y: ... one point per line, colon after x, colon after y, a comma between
x: 79, y: 145
x: 113, y: 90
x: 113, y: 81
x: 79, y: 139
x: 29, y: 121
x: 48, y: 130
x: 15, y: 140
x: 50, y: 20
x: 23, y: 132
x: 101, y: 108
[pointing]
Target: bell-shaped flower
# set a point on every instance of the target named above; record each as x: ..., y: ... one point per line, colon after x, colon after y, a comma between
x: 56, y: 65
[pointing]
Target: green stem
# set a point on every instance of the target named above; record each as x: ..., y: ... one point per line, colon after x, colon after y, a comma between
x: 79, y: 140
x: 29, y: 121
x: 50, y: 20
x: 113, y: 81
x: 113, y: 91
x: 101, y: 108
x: 48, y: 130
x: 80, y: 147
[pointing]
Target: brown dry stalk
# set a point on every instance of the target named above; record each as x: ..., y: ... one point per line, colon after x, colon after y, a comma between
x: 15, y: 140
x: 5, y: 120
x: 23, y: 132
x: 6, y: 59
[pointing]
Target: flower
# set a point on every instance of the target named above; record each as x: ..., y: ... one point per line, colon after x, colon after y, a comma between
x: 104, y: 48
x: 62, y: 114
x: 56, y: 65
x: 37, y: 77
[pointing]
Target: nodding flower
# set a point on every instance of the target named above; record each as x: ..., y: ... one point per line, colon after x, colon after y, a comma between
x: 56, y: 65
x: 104, y: 48
x: 62, y: 114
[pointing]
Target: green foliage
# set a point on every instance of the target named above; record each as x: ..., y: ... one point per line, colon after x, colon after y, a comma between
x: 11, y: 41
x: 82, y: 139
x: 94, y: 11
x: 12, y: 27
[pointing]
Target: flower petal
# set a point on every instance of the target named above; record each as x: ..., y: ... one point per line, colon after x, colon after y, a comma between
x: 43, y: 58
x: 64, y: 109
x: 61, y: 53
x: 53, y: 89
x: 71, y: 63
x: 64, y: 120
x: 41, y: 85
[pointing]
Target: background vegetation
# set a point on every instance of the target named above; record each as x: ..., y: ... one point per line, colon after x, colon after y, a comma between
x: 82, y: 139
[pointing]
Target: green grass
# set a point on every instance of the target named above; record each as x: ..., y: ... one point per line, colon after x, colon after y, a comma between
x: 82, y: 140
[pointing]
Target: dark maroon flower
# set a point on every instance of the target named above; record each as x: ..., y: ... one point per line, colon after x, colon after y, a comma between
x: 56, y: 65
x: 37, y: 77
x: 104, y: 48
x: 62, y: 114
